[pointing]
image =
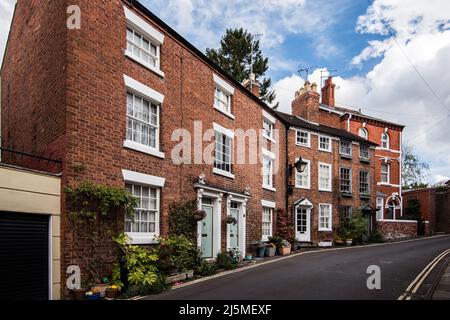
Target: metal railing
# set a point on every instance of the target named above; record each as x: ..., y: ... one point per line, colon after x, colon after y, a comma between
x: 30, y: 161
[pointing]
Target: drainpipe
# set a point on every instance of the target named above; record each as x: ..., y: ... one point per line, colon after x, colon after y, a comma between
x: 400, y: 173
x: 287, y: 167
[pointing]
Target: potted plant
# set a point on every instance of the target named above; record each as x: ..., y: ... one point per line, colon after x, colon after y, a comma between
x: 93, y: 295
x: 284, y: 248
x: 260, y: 249
x: 199, y: 215
x: 231, y: 220
x: 80, y: 293
x: 271, y: 250
x: 112, y: 292
x: 349, y: 237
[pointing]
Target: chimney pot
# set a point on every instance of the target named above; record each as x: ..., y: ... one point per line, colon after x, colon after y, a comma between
x: 328, y: 92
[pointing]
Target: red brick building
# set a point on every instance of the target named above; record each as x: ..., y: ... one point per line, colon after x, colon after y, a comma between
x: 125, y: 101
x: 339, y: 178
x: 388, y: 137
x: 110, y: 103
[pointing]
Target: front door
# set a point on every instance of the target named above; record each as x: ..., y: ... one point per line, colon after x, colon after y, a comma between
x: 207, y: 229
x: 234, y: 228
x: 303, y: 224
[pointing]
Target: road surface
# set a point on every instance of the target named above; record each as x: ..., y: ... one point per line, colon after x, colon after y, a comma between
x: 340, y: 274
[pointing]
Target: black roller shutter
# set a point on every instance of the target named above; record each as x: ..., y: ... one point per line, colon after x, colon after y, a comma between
x: 24, y: 256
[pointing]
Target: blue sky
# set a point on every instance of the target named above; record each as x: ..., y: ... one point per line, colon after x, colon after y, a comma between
x: 401, y: 78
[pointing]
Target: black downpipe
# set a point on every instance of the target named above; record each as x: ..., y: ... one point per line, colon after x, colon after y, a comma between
x: 287, y: 174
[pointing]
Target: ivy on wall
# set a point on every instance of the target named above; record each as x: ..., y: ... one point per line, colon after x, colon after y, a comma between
x: 181, y: 219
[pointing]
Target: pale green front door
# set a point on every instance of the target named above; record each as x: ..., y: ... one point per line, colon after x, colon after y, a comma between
x: 234, y: 228
x: 207, y: 232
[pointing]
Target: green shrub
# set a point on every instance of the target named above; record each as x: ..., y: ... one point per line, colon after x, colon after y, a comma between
x: 276, y: 240
x: 179, y: 252
x: 206, y: 268
x: 140, y: 263
x: 142, y: 290
x: 356, y: 227
x: 226, y: 261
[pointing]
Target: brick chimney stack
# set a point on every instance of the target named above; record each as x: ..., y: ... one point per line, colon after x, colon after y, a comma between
x: 253, y: 85
x: 328, y: 97
x: 306, y: 103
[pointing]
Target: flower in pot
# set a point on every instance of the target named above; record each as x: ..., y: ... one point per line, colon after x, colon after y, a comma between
x: 112, y: 292
x: 199, y: 215
x: 231, y: 220
x: 349, y: 238
x: 93, y: 295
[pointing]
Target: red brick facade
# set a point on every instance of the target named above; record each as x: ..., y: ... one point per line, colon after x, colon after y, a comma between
x: 393, y: 230
x: 66, y: 96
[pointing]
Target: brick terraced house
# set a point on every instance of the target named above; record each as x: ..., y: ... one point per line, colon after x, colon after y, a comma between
x: 114, y: 99
x: 339, y: 178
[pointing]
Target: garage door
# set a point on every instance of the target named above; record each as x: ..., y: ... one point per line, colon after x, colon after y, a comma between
x: 24, y: 256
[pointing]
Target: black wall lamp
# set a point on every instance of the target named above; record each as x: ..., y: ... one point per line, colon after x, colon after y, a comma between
x: 300, y: 166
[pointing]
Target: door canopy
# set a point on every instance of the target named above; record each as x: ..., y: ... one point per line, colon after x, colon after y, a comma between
x: 303, y: 203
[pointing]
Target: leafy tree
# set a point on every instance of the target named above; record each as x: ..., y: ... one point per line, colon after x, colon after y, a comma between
x: 235, y: 57
x: 414, y: 170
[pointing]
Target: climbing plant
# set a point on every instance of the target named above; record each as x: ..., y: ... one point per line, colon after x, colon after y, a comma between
x: 88, y: 200
x: 181, y: 219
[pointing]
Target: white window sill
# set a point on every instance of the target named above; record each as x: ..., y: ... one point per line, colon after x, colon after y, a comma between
x: 270, y: 188
x: 266, y: 238
x: 228, y: 114
x: 303, y: 145
x: 269, y: 138
x: 323, y: 150
x: 223, y: 173
x: 145, y: 64
x: 142, y: 238
x: 325, y: 230
x: 144, y: 149
x: 326, y: 190
x: 304, y: 188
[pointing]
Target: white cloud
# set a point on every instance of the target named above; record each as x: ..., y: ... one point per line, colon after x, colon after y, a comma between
x: 6, y: 12
x: 392, y: 89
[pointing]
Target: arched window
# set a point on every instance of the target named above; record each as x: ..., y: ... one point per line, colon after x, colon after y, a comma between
x: 363, y: 133
x: 385, y: 141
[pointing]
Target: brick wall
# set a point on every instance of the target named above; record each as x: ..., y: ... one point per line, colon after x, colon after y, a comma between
x: 427, y: 200
x: 443, y: 210
x: 334, y: 198
x: 33, y: 85
x: 394, y: 230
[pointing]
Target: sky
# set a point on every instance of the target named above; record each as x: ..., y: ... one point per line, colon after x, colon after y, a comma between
x: 389, y: 57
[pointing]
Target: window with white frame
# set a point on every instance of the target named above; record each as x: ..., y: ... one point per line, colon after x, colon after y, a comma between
x: 324, y: 143
x: 222, y: 100
x: 223, y: 94
x: 325, y: 217
x: 303, y: 138
x: 325, y: 177
x: 303, y: 179
x: 146, y: 216
x: 142, y: 121
x: 363, y: 133
x: 385, y: 173
x: 267, y: 129
x: 385, y: 141
x: 364, y: 152
x: 223, y: 152
x: 142, y: 48
x: 267, y: 172
x: 267, y: 221
x: 345, y: 148
x: 143, y: 42
x: 346, y: 180
x: 364, y: 183
x: 380, y: 208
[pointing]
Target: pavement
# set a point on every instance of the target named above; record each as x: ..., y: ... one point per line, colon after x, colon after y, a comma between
x: 322, y: 275
x: 442, y: 290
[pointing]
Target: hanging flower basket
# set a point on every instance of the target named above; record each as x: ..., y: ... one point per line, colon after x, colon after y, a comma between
x: 231, y: 220
x: 199, y: 215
